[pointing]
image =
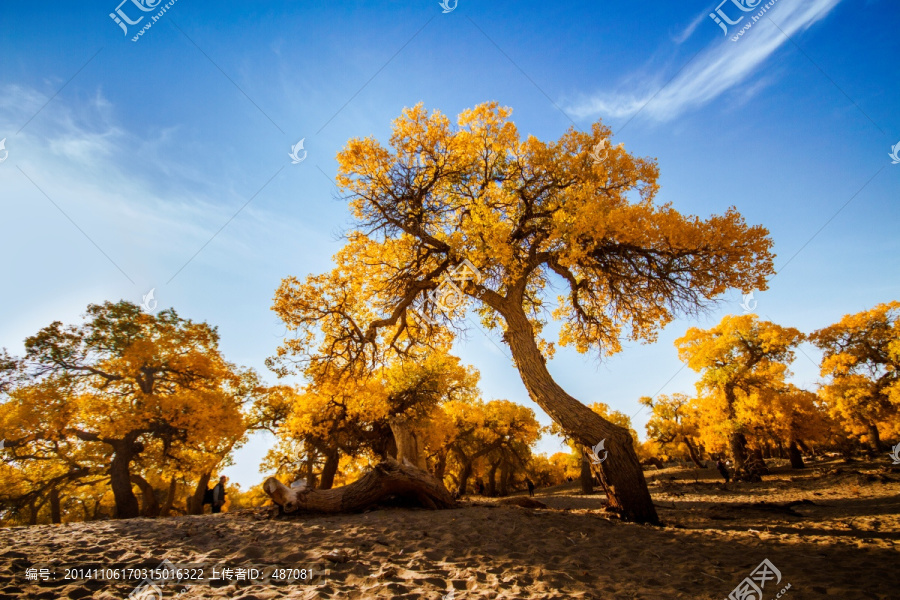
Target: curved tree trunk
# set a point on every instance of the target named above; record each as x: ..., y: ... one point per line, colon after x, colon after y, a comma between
x: 692, y: 451
x: 149, y: 504
x: 387, y: 479
x: 620, y: 474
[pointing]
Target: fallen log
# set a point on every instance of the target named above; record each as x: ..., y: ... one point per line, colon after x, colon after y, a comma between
x: 388, y: 479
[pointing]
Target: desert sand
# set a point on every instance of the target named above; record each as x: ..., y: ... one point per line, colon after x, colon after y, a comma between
x: 832, y: 530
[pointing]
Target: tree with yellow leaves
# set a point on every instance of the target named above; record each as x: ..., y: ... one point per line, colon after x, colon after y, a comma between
x: 125, y: 389
x: 673, y: 424
x: 862, y: 360
x: 524, y: 213
x: 740, y: 356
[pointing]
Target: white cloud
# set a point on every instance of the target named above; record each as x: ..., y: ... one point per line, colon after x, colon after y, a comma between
x: 714, y: 71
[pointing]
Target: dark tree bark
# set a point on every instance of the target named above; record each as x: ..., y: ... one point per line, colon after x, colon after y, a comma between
x: 120, y: 481
x: 796, y: 457
x: 587, y: 477
x: 195, y: 502
x: 388, y: 479
x: 692, y: 451
x: 170, y: 499
x: 620, y: 474
x: 55, y: 511
x: 332, y: 460
x: 505, y: 474
x: 149, y: 504
x: 464, y: 475
x: 492, y: 479
x: 875, y: 438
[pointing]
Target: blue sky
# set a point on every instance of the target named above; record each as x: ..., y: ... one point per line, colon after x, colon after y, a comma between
x: 163, y: 163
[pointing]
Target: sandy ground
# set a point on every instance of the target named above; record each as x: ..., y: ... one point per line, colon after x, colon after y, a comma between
x: 832, y: 530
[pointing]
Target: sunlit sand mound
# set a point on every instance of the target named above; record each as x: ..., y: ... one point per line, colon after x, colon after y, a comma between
x: 830, y: 531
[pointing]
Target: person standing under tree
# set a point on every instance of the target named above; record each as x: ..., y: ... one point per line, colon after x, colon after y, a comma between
x: 723, y: 470
x: 530, y: 485
x: 218, y: 495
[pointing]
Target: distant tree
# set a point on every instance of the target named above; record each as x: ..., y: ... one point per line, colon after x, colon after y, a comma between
x: 740, y: 356
x: 528, y: 215
x: 673, y: 424
x: 125, y: 389
x: 862, y: 362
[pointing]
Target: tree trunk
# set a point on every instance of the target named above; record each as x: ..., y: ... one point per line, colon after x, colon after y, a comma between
x: 492, y: 479
x: 409, y: 446
x: 55, y: 512
x: 120, y: 481
x: 875, y: 438
x: 387, y: 479
x: 329, y: 470
x: 505, y: 474
x: 33, y: 509
x: 796, y: 457
x: 149, y: 504
x: 780, y: 447
x: 464, y: 478
x: 440, y: 465
x: 620, y: 474
x: 170, y: 499
x: 587, y: 477
x: 692, y: 451
x: 195, y: 502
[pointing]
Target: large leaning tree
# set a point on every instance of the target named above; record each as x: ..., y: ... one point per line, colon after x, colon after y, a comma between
x: 530, y: 216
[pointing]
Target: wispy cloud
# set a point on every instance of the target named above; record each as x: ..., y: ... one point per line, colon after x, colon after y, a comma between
x: 713, y: 72
x: 689, y: 30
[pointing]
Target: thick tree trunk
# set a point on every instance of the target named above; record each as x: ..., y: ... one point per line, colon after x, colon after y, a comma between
x: 620, y: 474
x: 875, y: 438
x: 149, y: 504
x: 587, y: 477
x: 388, y: 479
x: 120, y: 481
x: 796, y: 457
x: 55, y: 511
x: 505, y: 474
x: 692, y: 451
x: 409, y: 446
x: 332, y: 460
x: 195, y: 502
